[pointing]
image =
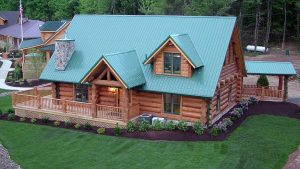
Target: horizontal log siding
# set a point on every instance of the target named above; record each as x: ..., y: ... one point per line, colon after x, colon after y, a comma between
x: 66, y: 91
x: 158, y: 65
x: 193, y: 109
x: 149, y: 102
x: 106, y: 97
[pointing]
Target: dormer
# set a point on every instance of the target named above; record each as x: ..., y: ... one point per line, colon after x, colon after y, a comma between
x: 2, y: 21
x: 176, y: 56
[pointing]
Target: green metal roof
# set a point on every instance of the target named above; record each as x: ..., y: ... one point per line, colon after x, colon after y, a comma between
x: 51, y: 25
x: 96, y: 35
x: 127, y: 66
x: 48, y: 48
x: 270, y: 68
x: 31, y: 43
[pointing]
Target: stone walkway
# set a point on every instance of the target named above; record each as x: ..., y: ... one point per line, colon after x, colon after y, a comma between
x: 5, y: 161
x: 5, y: 68
x: 293, y: 161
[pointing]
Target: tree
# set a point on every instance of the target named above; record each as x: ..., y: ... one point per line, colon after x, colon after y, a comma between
x: 269, y: 21
x: 262, y: 81
x: 150, y: 7
x: 284, y: 27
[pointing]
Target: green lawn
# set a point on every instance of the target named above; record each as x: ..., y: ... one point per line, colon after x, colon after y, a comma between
x: 260, y: 142
x: 5, y: 103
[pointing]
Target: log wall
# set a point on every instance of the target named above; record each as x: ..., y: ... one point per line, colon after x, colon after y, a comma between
x: 66, y: 90
x: 193, y: 109
x: 106, y: 97
x: 46, y: 35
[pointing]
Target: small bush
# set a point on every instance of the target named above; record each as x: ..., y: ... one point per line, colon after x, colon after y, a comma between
x: 130, y: 127
x: 253, y: 100
x: 227, y: 121
x: 198, y: 129
x: 45, y: 119
x: 101, y: 131
x: 22, y: 119
x: 262, y: 81
x: 87, y: 126
x: 33, y: 120
x: 1, y: 112
x: 214, y: 131
x: 56, y: 123
x: 9, y: 111
x: 117, y: 130
x: 244, y: 104
x: 182, y: 125
x: 144, y: 126
x: 157, y: 125
x: 77, y: 126
x: 67, y: 124
x: 11, y: 116
x: 221, y: 126
x: 233, y: 118
x: 170, y: 125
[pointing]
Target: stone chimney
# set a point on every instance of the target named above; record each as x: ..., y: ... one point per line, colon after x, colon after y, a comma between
x: 64, y: 49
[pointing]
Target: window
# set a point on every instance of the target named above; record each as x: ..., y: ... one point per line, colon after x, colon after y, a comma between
x: 171, y: 104
x: 172, y: 63
x: 81, y: 93
x: 230, y: 94
x: 218, y: 102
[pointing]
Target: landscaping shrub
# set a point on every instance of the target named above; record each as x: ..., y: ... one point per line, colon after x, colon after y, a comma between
x: 244, y: 104
x: 237, y: 112
x: 130, y: 127
x: 227, y: 121
x: 144, y: 126
x: 198, y: 129
x: 253, y: 100
x: 157, y: 125
x: 214, y: 131
x: 11, y: 116
x: 117, y: 130
x: 262, y: 81
x: 9, y: 111
x: 87, y: 126
x: 77, y: 126
x: 182, y: 125
x: 233, y: 118
x: 101, y: 131
x: 45, y: 119
x: 22, y: 119
x: 1, y: 112
x: 56, y: 123
x: 221, y: 126
x: 33, y: 120
x: 67, y: 124
x: 170, y: 125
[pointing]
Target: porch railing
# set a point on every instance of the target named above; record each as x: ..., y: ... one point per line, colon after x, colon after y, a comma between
x: 109, y: 112
x: 271, y: 91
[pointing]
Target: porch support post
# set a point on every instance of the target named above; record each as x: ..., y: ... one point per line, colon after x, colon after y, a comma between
x: 94, y: 101
x: 125, y: 104
x: 280, y: 82
x: 285, y: 94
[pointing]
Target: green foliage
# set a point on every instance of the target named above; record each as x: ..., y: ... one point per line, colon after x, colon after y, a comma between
x: 77, y: 126
x: 10, y: 111
x: 214, y: 131
x: 157, y: 125
x: 11, y: 116
x: 144, y: 126
x: 33, y: 120
x: 22, y: 119
x: 45, y: 119
x: 101, y: 130
x: 262, y: 81
x: 56, y: 123
x: 182, y: 125
x: 170, y: 125
x: 67, y: 124
x: 117, y: 129
x: 87, y: 126
x: 17, y: 72
x: 198, y: 128
x: 1, y: 112
x: 130, y: 127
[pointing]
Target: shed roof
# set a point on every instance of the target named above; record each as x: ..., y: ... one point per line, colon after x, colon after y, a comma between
x: 96, y: 35
x: 30, y: 43
x: 51, y: 25
x: 270, y: 68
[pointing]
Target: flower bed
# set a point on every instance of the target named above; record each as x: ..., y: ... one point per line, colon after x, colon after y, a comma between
x: 172, y: 132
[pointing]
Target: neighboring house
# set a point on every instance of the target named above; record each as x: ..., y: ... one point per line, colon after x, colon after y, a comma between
x: 12, y: 33
x: 49, y: 32
x: 115, y: 68
x: 7, y: 18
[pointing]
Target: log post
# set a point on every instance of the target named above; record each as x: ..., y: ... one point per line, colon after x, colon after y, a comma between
x: 94, y: 101
x: 13, y: 98
x: 35, y: 91
x: 125, y: 104
x: 63, y: 106
x: 38, y: 101
x: 285, y: 94
x: 280, y: 83
x: 262, y: 93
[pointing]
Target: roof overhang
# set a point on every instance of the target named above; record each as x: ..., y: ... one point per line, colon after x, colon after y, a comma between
x: 270, y: 68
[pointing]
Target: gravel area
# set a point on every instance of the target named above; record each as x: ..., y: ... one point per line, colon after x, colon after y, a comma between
x: 5, y: 161
x: 293, y: 161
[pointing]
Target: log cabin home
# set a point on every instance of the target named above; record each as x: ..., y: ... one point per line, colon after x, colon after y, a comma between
x: 110, y: 69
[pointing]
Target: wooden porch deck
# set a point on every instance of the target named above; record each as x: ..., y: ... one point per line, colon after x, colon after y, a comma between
x: 272, y: 93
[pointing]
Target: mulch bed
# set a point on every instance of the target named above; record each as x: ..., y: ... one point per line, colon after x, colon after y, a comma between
x: 27, y: 84
x: 271, y: 108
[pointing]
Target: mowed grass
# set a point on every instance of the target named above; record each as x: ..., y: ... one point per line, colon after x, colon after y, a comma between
x: 5, y: 103
x: 261, y: 142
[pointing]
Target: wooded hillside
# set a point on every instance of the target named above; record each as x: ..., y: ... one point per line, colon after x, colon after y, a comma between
x: 260, y: 21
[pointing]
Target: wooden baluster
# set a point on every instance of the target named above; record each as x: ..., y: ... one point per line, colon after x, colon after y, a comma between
x: 38, y: 101
x: 64, y: 106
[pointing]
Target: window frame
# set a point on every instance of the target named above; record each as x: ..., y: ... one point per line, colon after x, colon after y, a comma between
x: 172, y: 103
x: 173, y: 55
x: 83, y: 91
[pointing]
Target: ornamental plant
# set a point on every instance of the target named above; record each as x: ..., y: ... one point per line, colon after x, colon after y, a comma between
x: 157, y: 125
x: 253, y: 100
x: 117, y: 130
x: 67, y: 124
x: 198, y: 129
x: 9, y: 111
x: 45, y: 119
x: 227, y: 121
x: 144, y: 126
x: 101, y: 130
x: 33, y: 120
x: 11, y: 116
x: 22, y: 119
x: 262, y: 81
x: 170, y: 125
x: 77, y: 126
x: 1, y: 112
x: 130, y: 127
x: 214, y: 131
x: 182, y: 125
x: 56, y: 123
x: 87, y: 126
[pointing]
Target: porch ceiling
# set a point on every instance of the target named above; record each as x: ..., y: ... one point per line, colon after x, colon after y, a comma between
x: 270, y: 68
